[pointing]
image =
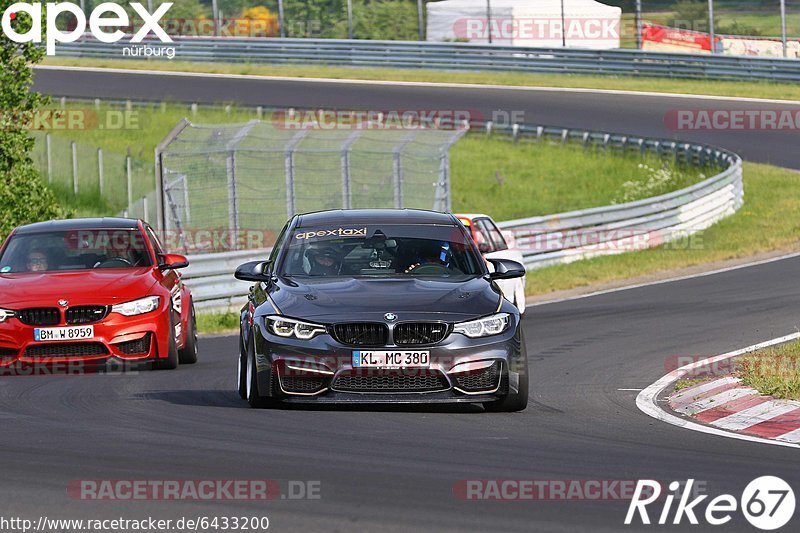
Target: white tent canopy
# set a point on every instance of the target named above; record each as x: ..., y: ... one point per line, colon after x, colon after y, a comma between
x: 587, y: 24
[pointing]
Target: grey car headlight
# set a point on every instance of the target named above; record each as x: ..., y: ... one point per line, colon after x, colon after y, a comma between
x: 137, y: 307
x: 484, y: 327
x: 289, y: 327
x: 5, y: 314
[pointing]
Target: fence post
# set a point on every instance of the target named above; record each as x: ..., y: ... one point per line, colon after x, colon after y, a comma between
x: 48, y: 144
x: 145, y: 210
x: 159, y: 170
x: 128, y: 175
x: 233, y: 201
x: 74, y: 167
x: 347, y: 195
x: 288, y: 162
x: 397, y: 168
x: 100, y: 169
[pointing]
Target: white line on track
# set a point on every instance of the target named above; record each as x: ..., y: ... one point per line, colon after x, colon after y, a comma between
x: 420, y: 84
x: 646, y: 401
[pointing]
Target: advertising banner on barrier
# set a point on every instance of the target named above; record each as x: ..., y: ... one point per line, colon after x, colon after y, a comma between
x: 663, y: 39
x: 759, y: 46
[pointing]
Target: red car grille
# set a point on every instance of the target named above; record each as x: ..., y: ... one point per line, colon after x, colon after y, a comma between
x: 137, y: 347
x: 8, y: 352
x: 66, y: 349
x: 40, y: 316
x: 86, y: 314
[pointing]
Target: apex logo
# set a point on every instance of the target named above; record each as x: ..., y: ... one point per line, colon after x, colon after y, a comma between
x: 106, y: 15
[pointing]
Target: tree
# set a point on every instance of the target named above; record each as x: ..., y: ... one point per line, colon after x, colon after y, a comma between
x: 24, y: 197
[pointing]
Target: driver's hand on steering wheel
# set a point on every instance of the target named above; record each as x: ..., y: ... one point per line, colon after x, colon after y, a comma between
x: 412, y: 267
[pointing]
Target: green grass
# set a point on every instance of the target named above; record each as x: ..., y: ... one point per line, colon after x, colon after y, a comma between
x: 785, y: 91
x: 537, y: 177
x: 773, y: 371
x: 682, y: 384
x: 510, y: 181
x: 215, y: 323
x: 768, y: 221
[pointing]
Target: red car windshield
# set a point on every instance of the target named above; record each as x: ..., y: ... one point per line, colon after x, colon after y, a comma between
x: 75, y: 250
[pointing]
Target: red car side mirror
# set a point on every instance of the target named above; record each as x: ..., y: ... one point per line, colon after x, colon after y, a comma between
x: 172, y: 261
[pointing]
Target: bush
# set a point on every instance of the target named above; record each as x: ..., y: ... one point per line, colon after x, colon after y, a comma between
x: 24, y: 197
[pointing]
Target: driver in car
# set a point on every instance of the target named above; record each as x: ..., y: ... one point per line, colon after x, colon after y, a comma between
x: 37, y: 261
x: 325, y: 261
x: 431, y: 255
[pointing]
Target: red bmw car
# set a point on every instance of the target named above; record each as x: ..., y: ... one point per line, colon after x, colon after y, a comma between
x: 89, y: 291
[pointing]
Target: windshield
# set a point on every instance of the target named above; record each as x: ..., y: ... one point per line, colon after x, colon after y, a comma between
x: 74, y: 250
x: 373, y: 250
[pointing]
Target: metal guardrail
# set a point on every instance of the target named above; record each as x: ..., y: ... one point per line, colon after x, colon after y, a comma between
x: 553, y: 239
x: 453, y: 56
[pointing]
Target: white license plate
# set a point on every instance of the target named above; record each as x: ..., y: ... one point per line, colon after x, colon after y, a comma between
x: 63, y: 334
x: 391, y: 359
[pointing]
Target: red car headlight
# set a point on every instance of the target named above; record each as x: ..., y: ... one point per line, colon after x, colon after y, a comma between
x: 137, y: 307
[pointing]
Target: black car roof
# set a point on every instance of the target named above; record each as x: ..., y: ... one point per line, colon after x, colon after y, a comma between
x: 79, y: 223
x: 374, y: 216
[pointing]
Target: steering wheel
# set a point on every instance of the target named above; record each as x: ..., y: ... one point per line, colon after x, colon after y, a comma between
x: 116, y: 262
x: 430, y: 269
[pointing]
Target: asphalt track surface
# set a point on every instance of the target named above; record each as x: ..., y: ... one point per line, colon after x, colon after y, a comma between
x: 394, y: 468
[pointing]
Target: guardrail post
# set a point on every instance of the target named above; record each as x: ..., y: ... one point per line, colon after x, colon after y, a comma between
x: 489, y: 128
x: 74, y: 148
x: 145, y: 209
x: 515, y: 132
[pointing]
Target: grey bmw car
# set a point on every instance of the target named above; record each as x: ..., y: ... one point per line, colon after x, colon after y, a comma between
x: 380, y: 306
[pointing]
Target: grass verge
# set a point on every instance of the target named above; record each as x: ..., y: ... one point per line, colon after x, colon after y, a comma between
x: 216, y: 323
x: 768, y: 221
x: 489, y: 174
x: 783, y: 91
x: 773, y: 371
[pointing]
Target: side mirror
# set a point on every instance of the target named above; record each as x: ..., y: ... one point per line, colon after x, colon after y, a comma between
x: 506, y: 269
x: 253, y: 271
x: 172, y: 261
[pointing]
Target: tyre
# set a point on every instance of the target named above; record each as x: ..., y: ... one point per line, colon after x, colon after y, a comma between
x: 254, y: 397
x: 173, y: 358
x: 519, y: 299
x: 513, y: 401
x: 241, y: 380
x: 188, y: 355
